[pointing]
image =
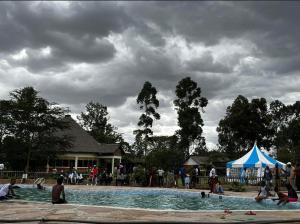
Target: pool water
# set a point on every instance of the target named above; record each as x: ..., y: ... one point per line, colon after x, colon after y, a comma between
x: 153, y: 199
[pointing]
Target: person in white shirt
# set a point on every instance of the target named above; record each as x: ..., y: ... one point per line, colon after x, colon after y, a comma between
x: 212, y: 172
x: 263, y: 192
x: 7, y: 191
x: 160, y: 177
x: 187, y: 181
x: 212, y: 180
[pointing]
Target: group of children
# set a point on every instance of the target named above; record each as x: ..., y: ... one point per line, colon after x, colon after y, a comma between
x: 283, y: 198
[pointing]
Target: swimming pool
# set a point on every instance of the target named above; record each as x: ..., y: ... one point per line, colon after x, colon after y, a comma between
x: 157, y: 199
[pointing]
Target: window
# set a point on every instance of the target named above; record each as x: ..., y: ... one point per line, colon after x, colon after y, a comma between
x: 65, y: 163
x: 80, y: 163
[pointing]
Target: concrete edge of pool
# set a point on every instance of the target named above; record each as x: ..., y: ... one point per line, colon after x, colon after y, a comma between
x: 24, y: 210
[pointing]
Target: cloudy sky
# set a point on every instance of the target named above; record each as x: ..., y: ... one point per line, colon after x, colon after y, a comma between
x: 104, y: 51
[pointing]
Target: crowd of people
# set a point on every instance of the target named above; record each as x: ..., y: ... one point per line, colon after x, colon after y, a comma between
x: 272, y: 179
x: 93, y: 176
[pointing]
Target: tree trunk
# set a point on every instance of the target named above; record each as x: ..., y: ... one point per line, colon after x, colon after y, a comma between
x: 28, y: 160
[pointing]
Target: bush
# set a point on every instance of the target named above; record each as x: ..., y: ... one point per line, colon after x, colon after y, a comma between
x: 237, y: 187
x: 139, y: 175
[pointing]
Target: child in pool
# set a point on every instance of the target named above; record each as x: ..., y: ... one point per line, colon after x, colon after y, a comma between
x: 263, y: 192
x: 291, y: 196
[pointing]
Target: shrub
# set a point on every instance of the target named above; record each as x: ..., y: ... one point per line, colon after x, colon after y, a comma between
x: 139, y: 175
x: 237, y: 187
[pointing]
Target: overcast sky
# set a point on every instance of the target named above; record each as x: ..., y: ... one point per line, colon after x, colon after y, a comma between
x: 76, y: 52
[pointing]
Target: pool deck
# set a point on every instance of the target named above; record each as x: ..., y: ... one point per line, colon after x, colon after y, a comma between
x: 18, y: 210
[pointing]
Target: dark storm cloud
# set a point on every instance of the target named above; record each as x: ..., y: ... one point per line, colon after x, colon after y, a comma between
x: 104, y: 51
x: 74, y: 35
x: 272, y: 27
x: 206, y: 22
x: 206, y: 63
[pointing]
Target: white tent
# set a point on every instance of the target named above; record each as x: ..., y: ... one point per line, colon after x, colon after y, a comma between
x: 255, y: 158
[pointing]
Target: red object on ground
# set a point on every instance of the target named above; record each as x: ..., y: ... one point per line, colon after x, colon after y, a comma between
x: 227, y: 211
x: 250, y: 213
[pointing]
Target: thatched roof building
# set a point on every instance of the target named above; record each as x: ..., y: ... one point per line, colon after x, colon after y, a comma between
x: 85, y: 150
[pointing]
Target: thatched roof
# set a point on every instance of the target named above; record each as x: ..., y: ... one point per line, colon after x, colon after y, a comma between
x: 82, y: 142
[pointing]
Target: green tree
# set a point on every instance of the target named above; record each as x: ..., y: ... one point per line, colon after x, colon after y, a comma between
x: 279, y: 113
x: 149, y: 103
x: 5, y: 119
x: 96, y: 122
x: 34, y: 127
x: 287, y: 122
x: 164, y: 153
x: 140, y: 145
x: 15, y: 153
x: 5, y: 124
x: 244, y: 123
x: 188, y: 105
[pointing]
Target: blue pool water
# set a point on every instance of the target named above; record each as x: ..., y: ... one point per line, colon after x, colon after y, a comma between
x: 153, y: 199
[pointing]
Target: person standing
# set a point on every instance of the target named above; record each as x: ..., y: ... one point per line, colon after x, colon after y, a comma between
x: 212, y: 180
x: 95, y: 172
x: 160, y: 173
x: 268, y: 177
x: 243, y: 175
x: 193, y: 178
x: 187, y: 181
x: 290, y: 174
x: 57, y: 191
x: 276, y: 175
x: 182, y: 174
x: 297, y: 176
x: 197, y: 171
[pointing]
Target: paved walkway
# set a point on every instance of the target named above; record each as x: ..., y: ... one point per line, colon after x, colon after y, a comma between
x: 17, y: 210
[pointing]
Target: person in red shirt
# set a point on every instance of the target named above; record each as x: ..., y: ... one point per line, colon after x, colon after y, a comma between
x: 95, y: 172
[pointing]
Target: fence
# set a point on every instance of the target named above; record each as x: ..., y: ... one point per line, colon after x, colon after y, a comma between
x: 31, y: 175
x: 201, y: 180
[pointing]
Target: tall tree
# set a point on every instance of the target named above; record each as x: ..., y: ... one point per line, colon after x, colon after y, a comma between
x: 286, y: 119
x: 96, y: 122
x: 188, y: 104
x: 279, y: 113
x: 35, y: 123
x: 149, y: 103
x: 244, y: 123
x: 164, y: 153
x: 5, y: 124
x: 5, y: 119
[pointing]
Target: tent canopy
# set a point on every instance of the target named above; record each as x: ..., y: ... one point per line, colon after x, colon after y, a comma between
x: 254, y: 158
